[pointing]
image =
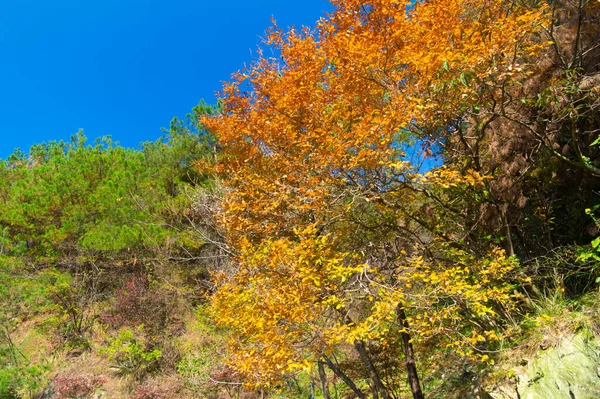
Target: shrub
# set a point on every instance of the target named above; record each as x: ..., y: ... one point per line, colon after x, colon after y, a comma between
x: 15, y: 379
x: 71, y: 386
x: 135, y: 304
x: 129, y: 353
x: 164, y: 390
x: 74, y: 315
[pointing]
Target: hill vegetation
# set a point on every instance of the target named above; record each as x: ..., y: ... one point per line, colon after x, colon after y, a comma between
x: 400, y: 204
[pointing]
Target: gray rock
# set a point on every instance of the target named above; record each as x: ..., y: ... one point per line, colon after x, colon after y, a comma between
x: 571, y: 370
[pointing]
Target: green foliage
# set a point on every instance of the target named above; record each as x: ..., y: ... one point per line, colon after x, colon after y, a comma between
x: 23, y: 295
x: 17, y: 379
x: 591, y: 252
x: 186, y: 143
x: 129, y: 354
x: 74, y: 198
x: 71, y: 195
x: 200, y: 361
x: 87, y: 207
x: 72, y: 317
x: 198, y: 366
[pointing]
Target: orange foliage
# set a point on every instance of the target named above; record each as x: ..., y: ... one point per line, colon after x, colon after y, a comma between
x: 319, y: 186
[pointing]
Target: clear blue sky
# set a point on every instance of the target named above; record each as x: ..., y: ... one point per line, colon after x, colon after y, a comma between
x: 123, y: 67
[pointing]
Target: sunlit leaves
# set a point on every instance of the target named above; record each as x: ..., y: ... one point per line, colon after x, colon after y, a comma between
x: 336, y: 228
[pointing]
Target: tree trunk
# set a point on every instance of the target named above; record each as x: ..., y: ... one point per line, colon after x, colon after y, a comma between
x: 344, y: 377
x: 364, y: 357
x: 411, y: 368
x: 323, y: 378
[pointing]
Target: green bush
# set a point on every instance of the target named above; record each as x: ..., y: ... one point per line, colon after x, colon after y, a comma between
x: 129, y: 354
x: 14, y: 380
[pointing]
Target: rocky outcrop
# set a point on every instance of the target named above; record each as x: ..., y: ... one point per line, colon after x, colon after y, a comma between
x: 570, y: 370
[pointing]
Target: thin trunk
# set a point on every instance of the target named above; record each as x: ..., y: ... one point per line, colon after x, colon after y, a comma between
x: 411, y: 368
x: 374, y: 391
x: 364, y: 357
x: 323, y: 378
x: 509, y: 242
x: 577, y: 36
x: 344, y: 377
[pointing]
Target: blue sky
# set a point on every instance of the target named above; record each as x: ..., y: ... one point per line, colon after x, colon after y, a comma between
x: 123, y: 67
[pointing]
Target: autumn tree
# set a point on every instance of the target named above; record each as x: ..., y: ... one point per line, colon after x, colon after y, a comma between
x: 344, y: 245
